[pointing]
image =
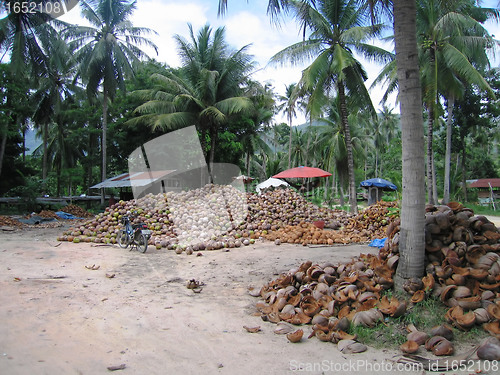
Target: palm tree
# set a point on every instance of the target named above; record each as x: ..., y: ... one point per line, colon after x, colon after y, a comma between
x: 20, y: 34
x: 336, y: 32
x: 106, y: 52
x: 446, y: 50
x: 288, y: 104
x: 412, y: 242
x: 54, y: 88
x: 206, y: 91
x: 256, y: 121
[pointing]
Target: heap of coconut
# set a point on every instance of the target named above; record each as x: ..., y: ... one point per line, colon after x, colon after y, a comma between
x: 368, y: 225
x: 211, y: 217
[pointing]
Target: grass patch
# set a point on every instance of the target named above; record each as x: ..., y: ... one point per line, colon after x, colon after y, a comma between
x: 484, y: 210
x: 391, y: 333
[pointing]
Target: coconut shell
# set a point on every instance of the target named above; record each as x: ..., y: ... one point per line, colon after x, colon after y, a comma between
x: 494, y: 310
x: 367, y: 318
x: 295, y: 336
x: 482, y: 315
x: 443, y: 347
x: 409, y: 347
x: 442, y: 330
x: 342, y: 324
x: 418, y: 296
x: 493, y: 328
x: 310, y: 306
x: 419, y: 337
x: 351, y: 347
x: 489, y: 349
x: 428, y: 282
x: 469, y: 303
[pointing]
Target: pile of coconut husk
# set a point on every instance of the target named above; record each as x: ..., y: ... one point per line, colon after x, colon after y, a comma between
x: 462, y: 270
x: 285, y: 207
x: 330, y: 297
x: 368, y: 225
x: 77, y: 211
x: 6, y: 221
x: 462, y: 265
x: 47, y: 214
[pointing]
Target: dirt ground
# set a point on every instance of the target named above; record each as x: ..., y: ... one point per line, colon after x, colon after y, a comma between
x: 59, y: 317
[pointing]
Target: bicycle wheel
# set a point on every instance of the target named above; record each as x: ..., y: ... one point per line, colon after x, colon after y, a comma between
x: 142, y: 243
x: 123, y: 239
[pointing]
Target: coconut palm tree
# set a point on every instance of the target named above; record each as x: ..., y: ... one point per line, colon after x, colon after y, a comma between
x: 411, y: 244
x: 336, y: 31
x: 20, y: 34
x: 288, y: 105
x: 256, y: 121
x: 449, y: 39
x: 106, y: 52
x: 205, y: 91
x: 55, y: 87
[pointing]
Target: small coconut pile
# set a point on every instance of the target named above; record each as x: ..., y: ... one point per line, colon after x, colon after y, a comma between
x: 371, y: 223
x: 330, y: 297
x: 47, y: 214
x: 208, y: 218
x: 77, y: 211
x: 10, y: 222
x: 285, y: 207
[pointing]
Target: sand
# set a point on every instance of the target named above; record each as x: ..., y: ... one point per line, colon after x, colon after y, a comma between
x: 59, y: 317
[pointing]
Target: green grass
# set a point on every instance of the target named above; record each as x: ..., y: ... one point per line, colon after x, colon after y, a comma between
x: 484, y: 210
x: 424, y: 316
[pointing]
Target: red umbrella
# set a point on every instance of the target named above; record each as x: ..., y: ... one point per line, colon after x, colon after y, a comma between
x: 302, y: 172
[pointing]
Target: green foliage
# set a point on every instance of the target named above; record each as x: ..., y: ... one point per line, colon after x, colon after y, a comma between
x: 28, y: 191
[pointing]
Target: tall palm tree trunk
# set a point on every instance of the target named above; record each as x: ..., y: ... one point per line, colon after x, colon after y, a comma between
x: 44, y: 158
x: 104, y: 140
x: 447, y: 158
x: 350, y: 159
x: 411, y: 240
x: 308, y: 140
x: 290, y: 143
x: 247, y: 163
x: 430, y: 127
x: 2, y: 149
x: 464, y: 172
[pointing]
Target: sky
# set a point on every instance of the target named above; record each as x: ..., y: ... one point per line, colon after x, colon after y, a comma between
x: 246, y: 22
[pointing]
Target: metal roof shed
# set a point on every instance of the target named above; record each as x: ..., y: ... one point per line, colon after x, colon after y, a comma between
x: 133, y: 179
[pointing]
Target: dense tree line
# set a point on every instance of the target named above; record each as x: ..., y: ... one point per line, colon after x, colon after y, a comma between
x: 76, y: 85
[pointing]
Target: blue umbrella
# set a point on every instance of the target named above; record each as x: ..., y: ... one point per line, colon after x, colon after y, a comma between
x: 378, y: 182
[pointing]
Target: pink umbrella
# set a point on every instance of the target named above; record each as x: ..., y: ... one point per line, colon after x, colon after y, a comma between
x: 302, y: 172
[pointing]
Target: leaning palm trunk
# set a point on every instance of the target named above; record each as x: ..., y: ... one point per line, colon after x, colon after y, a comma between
x: 411, y: 241
x: 447, y: 158
x: 348, y: 143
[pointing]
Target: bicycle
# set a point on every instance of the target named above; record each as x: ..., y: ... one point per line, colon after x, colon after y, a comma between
x: 134, y: 235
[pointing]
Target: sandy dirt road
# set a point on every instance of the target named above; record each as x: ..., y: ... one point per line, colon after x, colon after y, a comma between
x: 59, y: 317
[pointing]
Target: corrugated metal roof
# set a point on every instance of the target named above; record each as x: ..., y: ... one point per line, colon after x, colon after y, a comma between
x: 484, y: 183
x: 137, y: 178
